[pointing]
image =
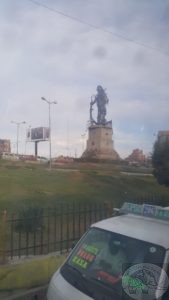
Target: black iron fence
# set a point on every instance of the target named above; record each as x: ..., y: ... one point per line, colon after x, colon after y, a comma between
x: 49, y: 230
x: 36, y: 231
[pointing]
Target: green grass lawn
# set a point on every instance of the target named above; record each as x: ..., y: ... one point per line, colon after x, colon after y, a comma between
x: 25, y: 184
x: 29, y: 274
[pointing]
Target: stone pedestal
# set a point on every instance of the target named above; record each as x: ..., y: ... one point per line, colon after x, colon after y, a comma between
x: 100, y: 143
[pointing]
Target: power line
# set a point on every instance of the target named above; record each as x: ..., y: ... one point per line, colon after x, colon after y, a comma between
x: 76, y: 19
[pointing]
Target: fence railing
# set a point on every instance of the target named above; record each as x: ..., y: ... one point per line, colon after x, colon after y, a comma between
x: 38, y: 231
x: 48, y: 230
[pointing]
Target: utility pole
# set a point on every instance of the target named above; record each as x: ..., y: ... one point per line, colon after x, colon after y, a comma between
x: 50, y: 141
x: 17, y: 133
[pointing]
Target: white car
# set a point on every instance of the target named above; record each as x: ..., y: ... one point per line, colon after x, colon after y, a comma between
x: 123, y: 257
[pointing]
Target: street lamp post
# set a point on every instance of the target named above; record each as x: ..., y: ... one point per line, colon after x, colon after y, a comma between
x: 50, y: 141
x: 28, y: 137
x: 17, y: 133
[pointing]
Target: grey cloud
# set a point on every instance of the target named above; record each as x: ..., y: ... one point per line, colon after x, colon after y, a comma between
x: 165, y: 15
x: 100, y: 52
x: 140, y: 58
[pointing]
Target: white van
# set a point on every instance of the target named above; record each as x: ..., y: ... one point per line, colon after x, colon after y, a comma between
x: 123, y: 257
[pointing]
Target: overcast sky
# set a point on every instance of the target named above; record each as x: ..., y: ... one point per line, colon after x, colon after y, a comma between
x: 47, y: 54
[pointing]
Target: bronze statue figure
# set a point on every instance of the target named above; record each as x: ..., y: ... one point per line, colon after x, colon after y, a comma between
x: 101, y: 100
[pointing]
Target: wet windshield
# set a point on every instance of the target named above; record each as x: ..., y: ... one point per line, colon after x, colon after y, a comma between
x: 84, y: 115
x: 104, y: 257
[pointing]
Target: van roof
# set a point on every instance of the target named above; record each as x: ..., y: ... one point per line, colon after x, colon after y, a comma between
x: 138, y: 227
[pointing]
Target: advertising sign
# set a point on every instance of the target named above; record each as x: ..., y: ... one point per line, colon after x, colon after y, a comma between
x: 38, y: 134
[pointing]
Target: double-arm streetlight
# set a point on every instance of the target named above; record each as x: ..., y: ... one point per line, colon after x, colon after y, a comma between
x: 17, y: 132
x: 50, y: 141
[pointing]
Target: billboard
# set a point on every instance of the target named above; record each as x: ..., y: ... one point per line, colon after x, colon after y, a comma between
x: 38, y: 134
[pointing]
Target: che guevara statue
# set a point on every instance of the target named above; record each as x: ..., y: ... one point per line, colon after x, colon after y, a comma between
x: 101, y: 100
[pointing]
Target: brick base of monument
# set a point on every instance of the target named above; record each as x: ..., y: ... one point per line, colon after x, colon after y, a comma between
x: 100, y: 143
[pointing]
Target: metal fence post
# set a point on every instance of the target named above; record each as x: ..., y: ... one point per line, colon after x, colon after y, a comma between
x: 3, y: 237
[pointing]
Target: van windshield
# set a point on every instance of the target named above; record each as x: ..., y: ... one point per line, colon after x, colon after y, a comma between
x: 103, y: 257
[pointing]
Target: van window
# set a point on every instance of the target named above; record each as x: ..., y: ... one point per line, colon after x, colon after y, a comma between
x: 102, y: 258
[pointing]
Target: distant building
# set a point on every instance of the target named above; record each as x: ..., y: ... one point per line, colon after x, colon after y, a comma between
x: 63, y: 159
x: 163, y: 136
x: 137, y: 156
x: 5, y: 146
